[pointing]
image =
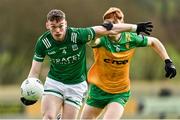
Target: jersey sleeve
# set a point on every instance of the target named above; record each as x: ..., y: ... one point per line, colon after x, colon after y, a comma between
x: 140, y: 40
x: 86, y: 34
x: 39, y: 53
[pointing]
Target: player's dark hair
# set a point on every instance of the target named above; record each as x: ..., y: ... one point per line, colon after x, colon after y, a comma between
x: 55, y: 14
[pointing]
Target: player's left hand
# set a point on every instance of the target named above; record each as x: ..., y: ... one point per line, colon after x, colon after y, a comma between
x: 170, y: 69
x: 27, y: 102
x: 145, y: 27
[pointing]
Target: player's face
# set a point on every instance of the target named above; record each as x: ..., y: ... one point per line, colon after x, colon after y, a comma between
x: 114, y: 18
x: 57, y: 29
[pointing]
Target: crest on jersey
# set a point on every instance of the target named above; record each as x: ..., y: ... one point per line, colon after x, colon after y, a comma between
x: 74, y: 47
x: 117, y: 47
x: 128, y: 37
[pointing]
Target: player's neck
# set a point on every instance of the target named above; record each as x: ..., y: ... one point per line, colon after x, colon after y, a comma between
x: 115, y: 38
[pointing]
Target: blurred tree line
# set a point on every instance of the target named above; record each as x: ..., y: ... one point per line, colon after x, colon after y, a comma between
x: 23, y: 21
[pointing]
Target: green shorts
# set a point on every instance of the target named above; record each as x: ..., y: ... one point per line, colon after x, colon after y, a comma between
x: 99, y: 98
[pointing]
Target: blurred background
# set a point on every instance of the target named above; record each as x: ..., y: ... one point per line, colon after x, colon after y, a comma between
x: 23, y: 21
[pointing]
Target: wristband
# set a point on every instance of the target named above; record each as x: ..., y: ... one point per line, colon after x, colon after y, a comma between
x: 134, y: 28
x: 168, y: 61
x: 107, y: 25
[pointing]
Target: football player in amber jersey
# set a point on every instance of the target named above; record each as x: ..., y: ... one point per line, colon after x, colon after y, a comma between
x: 109, y: 75
x: 66, y: 84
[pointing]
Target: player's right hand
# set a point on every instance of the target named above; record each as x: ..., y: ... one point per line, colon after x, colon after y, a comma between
x: 170, y: 69
x: 145, y: 27
x: 27, y: 102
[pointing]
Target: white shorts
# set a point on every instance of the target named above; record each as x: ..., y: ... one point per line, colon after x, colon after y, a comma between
x: 71, y: 94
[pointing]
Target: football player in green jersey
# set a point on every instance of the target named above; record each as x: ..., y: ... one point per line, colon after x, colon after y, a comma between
x: 66, y: 84
x: 109, y: 75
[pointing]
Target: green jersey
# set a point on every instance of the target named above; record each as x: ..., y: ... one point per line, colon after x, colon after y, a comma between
x: 127, y: 41
x: 67, y: 58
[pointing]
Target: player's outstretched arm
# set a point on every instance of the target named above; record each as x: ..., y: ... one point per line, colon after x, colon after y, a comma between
x: 160, y: 49
x: 109, y: 28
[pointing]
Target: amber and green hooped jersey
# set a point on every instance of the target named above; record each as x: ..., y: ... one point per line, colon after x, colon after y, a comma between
x: 110, y: 71
x: 67, y: 58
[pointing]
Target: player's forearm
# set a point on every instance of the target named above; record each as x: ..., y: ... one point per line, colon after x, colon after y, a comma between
x: 35, y: 69
x: 123, y: 27
x: 117, y: 28
x: 159, y: 48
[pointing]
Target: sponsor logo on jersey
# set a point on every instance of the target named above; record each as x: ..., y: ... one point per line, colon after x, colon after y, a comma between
x: 117, y: 62
x: 51, y: 52
x: 67, y: 60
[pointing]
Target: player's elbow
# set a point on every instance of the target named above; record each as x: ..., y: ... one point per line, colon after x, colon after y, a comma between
x: 152, y: 41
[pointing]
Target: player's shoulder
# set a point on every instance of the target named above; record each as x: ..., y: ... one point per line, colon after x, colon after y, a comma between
x: 133, y: 35
x: 79, y: 29
x: 44, y: 35
x: 73, y: 29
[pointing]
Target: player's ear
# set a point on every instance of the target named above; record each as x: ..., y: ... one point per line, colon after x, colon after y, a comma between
x: 66, y: 23
x: 47, y: 25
